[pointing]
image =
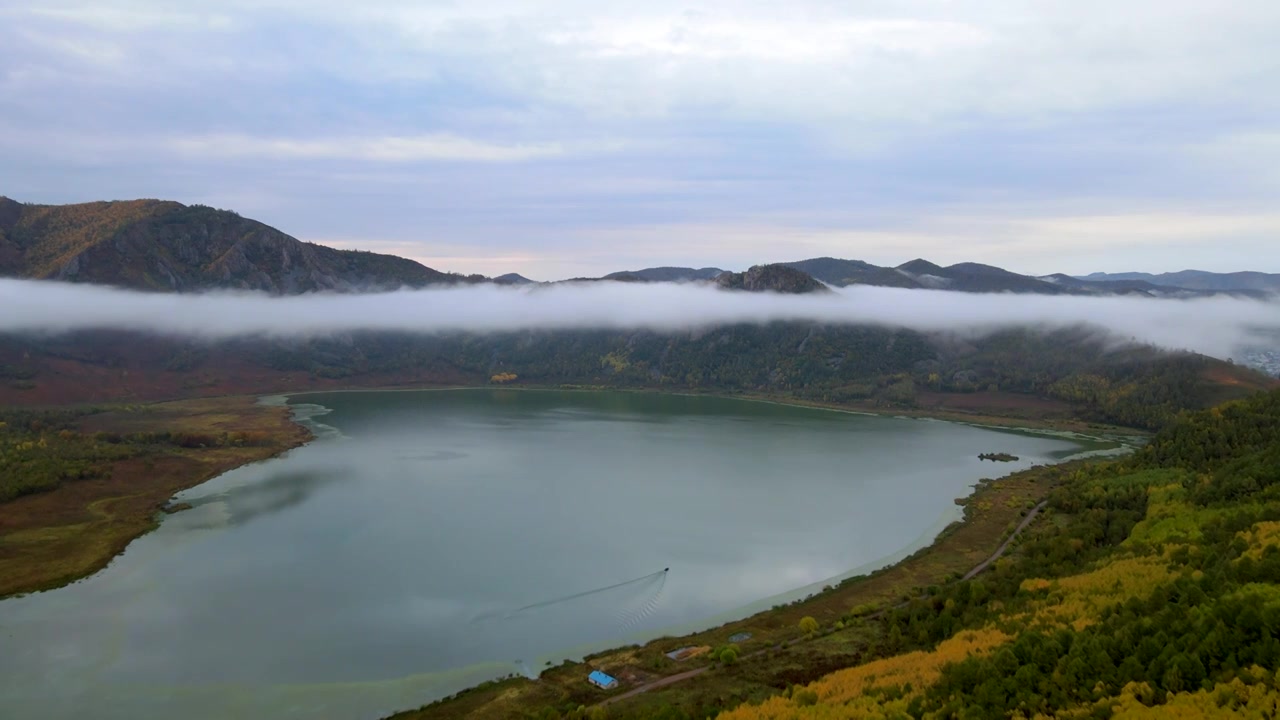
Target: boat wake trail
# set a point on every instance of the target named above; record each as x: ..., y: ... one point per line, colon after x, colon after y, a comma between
x: 631, y: 601
x: 634, y: 581
x: 647, y: 608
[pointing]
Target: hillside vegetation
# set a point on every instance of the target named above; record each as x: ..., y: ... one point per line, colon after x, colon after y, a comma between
x: 1150, y: 591
x: 76, y: 485
x: 1026, y: 375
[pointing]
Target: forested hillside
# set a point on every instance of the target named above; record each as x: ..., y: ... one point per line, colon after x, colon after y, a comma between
x: 1074, y: 371
x: 158, y: 245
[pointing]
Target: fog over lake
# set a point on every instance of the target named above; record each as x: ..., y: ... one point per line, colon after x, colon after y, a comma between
x: 430, y: 540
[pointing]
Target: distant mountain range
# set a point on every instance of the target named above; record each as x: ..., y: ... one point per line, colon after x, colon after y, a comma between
x: 666, y: 274
x: 1198, y: 280
x: 975, y: 277
x: 978, y: 278
x: 166, y: 246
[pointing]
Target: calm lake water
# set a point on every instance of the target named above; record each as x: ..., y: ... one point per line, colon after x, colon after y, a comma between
x: 431, y: 540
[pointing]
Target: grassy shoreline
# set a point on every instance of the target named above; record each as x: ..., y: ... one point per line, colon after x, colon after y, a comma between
x: 53, y: 538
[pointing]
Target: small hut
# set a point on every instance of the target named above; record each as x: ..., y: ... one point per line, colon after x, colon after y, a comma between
x: 602, y: 681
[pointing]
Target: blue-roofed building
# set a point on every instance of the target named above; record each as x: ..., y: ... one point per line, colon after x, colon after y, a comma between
x: 602, y: 681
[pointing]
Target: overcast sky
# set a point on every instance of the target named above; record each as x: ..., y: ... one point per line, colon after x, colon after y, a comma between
x: 575, y: 137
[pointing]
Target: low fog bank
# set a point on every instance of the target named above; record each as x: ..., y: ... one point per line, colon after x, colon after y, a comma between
x: 1213, y: 326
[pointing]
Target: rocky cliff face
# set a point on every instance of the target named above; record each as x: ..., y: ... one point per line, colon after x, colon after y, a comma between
x: 771, y: 278
x: 153, y: 245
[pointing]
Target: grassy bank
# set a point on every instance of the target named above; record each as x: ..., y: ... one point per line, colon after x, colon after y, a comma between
x: 1151, y: 593
x: 104, y: 474
x: 779, y: 652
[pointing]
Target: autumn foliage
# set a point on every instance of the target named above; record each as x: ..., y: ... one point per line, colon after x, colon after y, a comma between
x: 1153, y: 592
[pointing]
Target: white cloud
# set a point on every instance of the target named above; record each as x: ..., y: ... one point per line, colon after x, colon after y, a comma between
x: 133, y: 17
x: 443, y: 147
x: 389, y: 149
x: 728, y: 38
x: 1212, y: 325
x: 812, y: 62
x: 91, y: 50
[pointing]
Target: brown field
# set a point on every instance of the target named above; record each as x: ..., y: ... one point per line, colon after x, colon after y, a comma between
x: 52, y: 538
x: 1229, y: 383
x: 136, y: 372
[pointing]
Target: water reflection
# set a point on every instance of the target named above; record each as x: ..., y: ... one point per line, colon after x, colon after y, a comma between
x: 275, y: 493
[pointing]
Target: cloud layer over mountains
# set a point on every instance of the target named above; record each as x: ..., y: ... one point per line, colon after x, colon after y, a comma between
x: 1213, y: 326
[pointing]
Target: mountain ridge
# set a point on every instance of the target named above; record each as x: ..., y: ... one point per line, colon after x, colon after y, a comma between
x: 1197, y: 279
x: 162, y: 245
x: 513, y: 279
x: 981, y: 278
x: 666, y: 273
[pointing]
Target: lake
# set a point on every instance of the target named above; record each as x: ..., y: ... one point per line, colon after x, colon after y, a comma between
x: 430, y: 540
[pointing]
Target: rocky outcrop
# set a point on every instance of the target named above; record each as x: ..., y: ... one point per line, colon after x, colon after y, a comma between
x: 771, y: 278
